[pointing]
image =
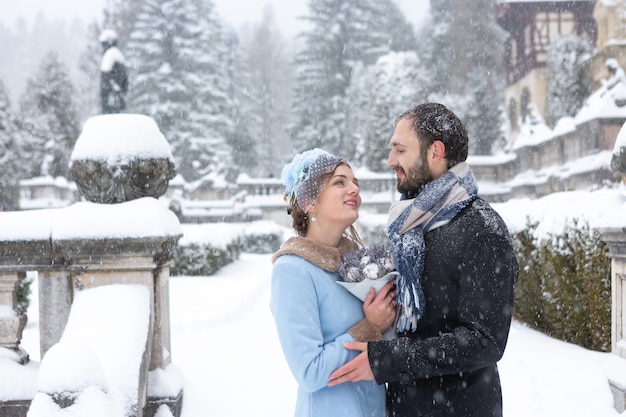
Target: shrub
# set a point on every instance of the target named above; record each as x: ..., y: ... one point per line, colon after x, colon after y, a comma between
x: 262, y: 243
x: 564, y: 288
x: 203, y: 255
x: 23, y: 292
x: 203, y: 259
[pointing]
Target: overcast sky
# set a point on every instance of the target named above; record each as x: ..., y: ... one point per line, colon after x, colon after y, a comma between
x: 236, y: 12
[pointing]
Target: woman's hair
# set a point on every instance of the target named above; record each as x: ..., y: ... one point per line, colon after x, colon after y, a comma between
x: 300, y: 219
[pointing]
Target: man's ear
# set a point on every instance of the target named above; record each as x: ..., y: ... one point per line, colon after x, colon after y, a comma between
x: 438, y: 151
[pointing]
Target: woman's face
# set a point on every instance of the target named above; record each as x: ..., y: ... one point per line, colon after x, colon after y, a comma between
x: 340, y: 199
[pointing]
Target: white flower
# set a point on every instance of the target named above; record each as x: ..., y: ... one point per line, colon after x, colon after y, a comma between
x: 367, y: 263
x: 371, y: 271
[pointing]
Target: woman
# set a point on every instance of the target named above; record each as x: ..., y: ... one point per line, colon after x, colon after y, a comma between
x: 314, y: 315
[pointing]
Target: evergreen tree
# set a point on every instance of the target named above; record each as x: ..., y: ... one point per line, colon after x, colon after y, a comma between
x: 10, y: 155
x: 244, y: 145
x: 341, y: 33
x: 378, y: 94
x: 49, y: 119
x: 400, y: 30
x: 434, y: 49
x: 567, y: 88
x: 475, y: 69
x: 269, y: 93
x: 25, y: 44
x: 176, y: 54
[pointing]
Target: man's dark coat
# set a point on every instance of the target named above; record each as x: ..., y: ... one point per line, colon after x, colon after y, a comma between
x: 448, y: 366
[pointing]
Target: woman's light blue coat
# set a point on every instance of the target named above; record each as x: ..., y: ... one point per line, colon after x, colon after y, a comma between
x: 312, y: 314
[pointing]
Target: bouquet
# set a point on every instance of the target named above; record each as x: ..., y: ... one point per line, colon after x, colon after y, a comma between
x: 370, y: 267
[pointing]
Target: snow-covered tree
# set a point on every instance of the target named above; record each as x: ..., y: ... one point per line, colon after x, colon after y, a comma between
x: 567, y: 88
x: 26, y: 43
x: 177, y: 57
x: 483, y: 116
x: 340, y: 33
x: 240, y: 137
x: 400, y: 30
x: 10, y: 156
x: 268, y: 81
x: 377, y: 94
x: 466, y: 48
x: 434, y: 47
x: 49, y: 119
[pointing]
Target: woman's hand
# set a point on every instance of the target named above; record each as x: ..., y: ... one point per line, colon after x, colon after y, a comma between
x: 380, y: 309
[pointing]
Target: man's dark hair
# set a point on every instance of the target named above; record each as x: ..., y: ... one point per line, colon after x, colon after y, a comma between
x: 434, y: 121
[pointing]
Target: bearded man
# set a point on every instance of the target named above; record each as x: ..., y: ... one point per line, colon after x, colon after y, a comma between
x: 457, y: 275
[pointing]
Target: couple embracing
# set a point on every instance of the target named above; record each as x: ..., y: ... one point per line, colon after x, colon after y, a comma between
x: 450, y: 305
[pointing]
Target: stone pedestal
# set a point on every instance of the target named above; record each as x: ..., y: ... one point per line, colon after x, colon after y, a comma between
x: 615, y: 239
x: 123, y: 235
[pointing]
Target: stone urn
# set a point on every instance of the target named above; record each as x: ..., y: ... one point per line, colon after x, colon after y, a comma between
x: 121, y: 157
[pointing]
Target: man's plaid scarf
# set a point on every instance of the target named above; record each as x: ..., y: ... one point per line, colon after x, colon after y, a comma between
x: 409, y: 220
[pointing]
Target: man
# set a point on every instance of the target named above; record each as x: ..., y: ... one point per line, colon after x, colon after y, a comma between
x: 113, y: 74
x: 457, y: 274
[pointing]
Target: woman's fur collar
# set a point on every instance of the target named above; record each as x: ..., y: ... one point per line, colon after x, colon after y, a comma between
x: 326, y: 257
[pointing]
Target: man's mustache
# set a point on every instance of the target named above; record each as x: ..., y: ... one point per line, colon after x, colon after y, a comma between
x: 398, y: 168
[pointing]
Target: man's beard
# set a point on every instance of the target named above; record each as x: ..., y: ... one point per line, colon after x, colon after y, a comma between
x: 414, y: 180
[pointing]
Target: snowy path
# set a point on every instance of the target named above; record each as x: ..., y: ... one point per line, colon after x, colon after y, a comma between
x: 224, y: 342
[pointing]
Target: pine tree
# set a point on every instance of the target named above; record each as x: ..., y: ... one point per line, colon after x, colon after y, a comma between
x: 49, y: 119
x: 176, y: 54
x: 400, y: 30
x: 378, y: 94
x: 567, y: 88
x: 10, y: 155
x: 341, y: 33
x: 268, y: 81
x: 474, y: 68
x: 434, y: 48
x: 240, y: 137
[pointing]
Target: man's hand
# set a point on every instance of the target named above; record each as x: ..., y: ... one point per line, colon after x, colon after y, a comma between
x: 358, y: 369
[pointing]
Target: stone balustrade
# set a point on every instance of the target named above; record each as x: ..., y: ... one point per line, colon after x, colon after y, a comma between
x: 122, y: 236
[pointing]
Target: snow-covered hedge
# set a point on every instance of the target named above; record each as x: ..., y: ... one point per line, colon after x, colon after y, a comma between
x: 205, y: 248
x: 564, y: 288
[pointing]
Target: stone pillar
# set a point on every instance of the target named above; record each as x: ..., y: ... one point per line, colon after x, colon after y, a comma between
x: 161, y: 346
x: 615, y: 239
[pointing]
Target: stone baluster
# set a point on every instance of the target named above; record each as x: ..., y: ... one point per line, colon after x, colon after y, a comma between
x: 12, y: 318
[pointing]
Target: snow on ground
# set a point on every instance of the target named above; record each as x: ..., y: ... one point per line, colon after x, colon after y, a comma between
x: 225, y: 345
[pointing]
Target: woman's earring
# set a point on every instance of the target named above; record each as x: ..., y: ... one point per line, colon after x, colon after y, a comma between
x: 313, y: 217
